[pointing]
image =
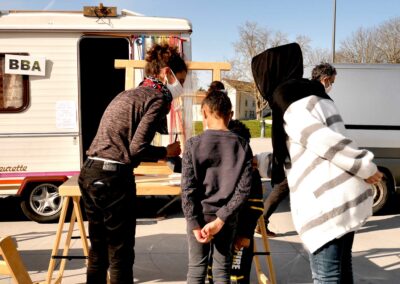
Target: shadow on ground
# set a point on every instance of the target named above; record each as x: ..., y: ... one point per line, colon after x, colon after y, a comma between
x: 10, y: 209
x: 162, y: 258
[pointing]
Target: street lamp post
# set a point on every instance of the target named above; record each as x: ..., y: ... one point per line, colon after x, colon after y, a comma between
x: 334, y: 31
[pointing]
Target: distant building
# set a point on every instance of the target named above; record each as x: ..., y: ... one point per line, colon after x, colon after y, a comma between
x: 243, y: 98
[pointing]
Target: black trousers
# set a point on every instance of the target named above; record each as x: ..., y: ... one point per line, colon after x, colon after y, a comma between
x: 109, y: 196
x: 279, y: 192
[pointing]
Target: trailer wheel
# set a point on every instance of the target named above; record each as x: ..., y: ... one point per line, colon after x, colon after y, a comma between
x: 42, y: 203
x: 380, y: 194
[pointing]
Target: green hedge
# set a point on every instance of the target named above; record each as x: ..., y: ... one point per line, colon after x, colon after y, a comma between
x: 253, y: 125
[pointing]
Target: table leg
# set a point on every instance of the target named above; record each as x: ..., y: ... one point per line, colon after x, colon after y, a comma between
x: 66, y: 248
x: 176, y: 198
x: 81, y: 225
x: 60, y: 226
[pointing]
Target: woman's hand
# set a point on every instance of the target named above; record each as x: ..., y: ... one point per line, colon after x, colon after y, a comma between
x: 374, y: 179
x: 174, y: 149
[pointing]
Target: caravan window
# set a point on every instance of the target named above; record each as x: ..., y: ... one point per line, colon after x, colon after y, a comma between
x: 13, y: 90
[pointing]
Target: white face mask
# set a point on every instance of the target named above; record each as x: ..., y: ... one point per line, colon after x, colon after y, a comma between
x: 175, y: 88
x: 328, y: 89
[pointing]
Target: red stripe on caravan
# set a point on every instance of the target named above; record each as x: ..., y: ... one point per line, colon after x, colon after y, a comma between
x: 37, y: 174
x: 11, y: 181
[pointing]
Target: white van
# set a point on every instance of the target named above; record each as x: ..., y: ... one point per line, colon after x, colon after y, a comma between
x: 368, y: 98
x: 57, y: 76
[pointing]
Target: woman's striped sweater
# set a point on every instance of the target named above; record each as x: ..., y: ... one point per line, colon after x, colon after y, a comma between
x: 328, y: 194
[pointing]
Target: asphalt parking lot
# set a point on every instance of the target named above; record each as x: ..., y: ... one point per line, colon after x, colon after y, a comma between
x: 161, y: 248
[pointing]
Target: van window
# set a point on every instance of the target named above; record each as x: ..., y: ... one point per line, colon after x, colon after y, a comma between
x: 14, y: 90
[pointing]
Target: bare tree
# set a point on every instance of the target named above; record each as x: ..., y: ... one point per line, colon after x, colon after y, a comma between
x: 372, y: 45
x: 312, y: 56
x: 304, y: 42
x: 388, y: 41
x: 278, y: 39
x: 316, y: 56
x: 253, y: 39
x: 360, y: 47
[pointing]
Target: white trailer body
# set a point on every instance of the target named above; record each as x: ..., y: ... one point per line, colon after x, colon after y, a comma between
x: 42, y: 143
x: 368, y: 99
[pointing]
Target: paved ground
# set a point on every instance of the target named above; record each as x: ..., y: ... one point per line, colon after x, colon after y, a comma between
x: 161, y: 249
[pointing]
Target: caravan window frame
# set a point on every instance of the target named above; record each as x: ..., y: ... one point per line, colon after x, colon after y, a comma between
x: 25, y: 88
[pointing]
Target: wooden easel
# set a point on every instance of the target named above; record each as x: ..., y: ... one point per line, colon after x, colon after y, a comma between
x: 131, y: 65
x: 262, y: 278
x: 12, y: 264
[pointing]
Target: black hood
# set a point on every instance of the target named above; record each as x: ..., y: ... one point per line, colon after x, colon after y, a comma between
x: 278, y: 75
x: 275, y: 66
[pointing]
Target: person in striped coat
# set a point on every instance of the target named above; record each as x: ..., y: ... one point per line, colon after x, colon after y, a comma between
x: 329, y: 177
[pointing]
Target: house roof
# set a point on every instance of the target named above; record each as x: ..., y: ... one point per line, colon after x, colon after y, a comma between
x: 241, y: 86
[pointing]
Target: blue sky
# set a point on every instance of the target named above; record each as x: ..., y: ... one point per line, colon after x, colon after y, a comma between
x: 215, y: 23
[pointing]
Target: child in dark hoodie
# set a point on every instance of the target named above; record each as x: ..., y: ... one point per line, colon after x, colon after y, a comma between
x: 243, y: 252
x: 216, y: 182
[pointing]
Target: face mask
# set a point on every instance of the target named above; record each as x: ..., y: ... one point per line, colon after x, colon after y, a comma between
x: 328, y: 89
x: 175, y: 88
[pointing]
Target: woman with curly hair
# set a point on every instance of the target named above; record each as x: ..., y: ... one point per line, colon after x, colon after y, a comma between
x: 122, y: 142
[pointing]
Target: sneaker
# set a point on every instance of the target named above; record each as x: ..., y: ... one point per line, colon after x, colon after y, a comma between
x: 269, y: 233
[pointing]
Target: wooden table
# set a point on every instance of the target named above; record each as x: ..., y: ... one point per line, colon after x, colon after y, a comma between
x: 156, y: 183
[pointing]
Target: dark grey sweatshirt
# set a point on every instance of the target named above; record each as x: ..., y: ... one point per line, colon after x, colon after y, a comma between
x: 128, y: 126
x: 216, y: 176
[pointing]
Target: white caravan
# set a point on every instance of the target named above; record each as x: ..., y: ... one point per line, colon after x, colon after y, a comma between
x: 368, y: 98
x: 57, y: 76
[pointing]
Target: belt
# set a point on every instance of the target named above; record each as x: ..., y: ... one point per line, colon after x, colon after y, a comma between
x: 107, y: 165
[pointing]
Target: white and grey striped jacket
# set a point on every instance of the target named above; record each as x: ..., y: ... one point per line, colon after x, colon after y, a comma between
x: 328, y: 194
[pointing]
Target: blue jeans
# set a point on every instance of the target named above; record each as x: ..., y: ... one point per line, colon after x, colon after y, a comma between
x: 332, y: 262
x: 109, y: 201
x: 220, y: 248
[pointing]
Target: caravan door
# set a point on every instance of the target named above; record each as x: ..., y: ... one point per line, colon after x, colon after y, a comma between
x: 99, y: 81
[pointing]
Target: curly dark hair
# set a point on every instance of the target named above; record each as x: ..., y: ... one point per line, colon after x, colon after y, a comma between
x: 218, y: 102
x: 160, y: 56
x: 216, y: 85
x: 323, y: 70
x: 240, y: 129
